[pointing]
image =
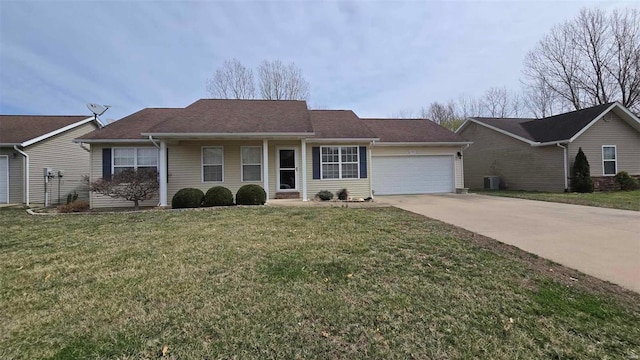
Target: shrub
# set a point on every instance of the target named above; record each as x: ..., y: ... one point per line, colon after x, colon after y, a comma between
x: 581, y: 181
x: 218, y: 196
x: 74, y: 206
x: 251, y: 195
x: 343, y: 194
x: 130, y: 185
x: 72, y: 197
x: 187, y: 198
x: 626, y: 181
x: 324, y: 195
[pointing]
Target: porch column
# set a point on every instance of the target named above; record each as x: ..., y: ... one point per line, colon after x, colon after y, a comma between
x: 162, y: 169
x: 265, y: 166
x: 303, y: 154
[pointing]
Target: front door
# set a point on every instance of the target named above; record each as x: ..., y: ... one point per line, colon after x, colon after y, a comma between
x: 287, y: 169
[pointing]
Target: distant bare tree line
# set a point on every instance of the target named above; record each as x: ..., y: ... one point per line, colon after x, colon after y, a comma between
x: 276, y: 81
x: 587, y: 61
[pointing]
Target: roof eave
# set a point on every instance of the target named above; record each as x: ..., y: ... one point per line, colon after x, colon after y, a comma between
x: 56, y: 132
x: 341, y: 140
x: 98, y: 141
x: 291, y: 135
x: 423, y: 143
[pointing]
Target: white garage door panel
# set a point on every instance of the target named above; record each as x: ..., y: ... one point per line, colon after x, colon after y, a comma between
x: 4, y: 179
x: 395, y: 175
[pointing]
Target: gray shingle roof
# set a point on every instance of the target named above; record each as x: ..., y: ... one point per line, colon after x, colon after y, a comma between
x: 411, y: 130
x: 16, y: 129
x: 553, y: 128
x: 339, y: 124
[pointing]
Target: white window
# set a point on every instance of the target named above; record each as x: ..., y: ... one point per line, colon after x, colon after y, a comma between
x: 212, y: 164
x: 135, y: 159
x: 251, y: 163
x: 609, y: 160
x: 339, y: 162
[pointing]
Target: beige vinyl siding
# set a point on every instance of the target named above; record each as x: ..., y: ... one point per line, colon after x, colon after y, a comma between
x: 424, y: 150
x: 59, y: 153
x: 16, y: 175
x: 611, y: 130
x: 358, y: 188
x: 519, y: 165
x: 185, y: 166
x: 101, y: 201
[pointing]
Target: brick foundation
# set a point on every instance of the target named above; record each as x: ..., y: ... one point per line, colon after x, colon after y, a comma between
x: 607, y: 183
x: 287, y: 195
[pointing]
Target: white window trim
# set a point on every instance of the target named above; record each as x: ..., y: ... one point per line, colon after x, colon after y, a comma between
x: 340, y: 162
x: 202, y: 164
x: 135, y: 158
x: 615, y: 159
x: 242, y: 164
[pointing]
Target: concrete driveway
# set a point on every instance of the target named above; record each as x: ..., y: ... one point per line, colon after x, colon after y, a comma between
x: 604, y: 243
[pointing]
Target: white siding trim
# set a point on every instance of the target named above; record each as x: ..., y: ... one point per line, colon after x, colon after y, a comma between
x: 7, y: 175
x: 265, y: 160
x: 295, y: 164
x: 162, y: 169
x: 56, y: 132
x: 592, y: 122
x: 303, y: 156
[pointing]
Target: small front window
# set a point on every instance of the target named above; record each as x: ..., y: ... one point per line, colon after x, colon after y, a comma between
x: 212, y: 164
x: 251, y: 163
x: 339, y: 162
x: 609, y: 160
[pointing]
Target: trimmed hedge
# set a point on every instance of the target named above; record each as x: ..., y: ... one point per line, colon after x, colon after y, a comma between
x: 343, y: 194
x: 626, y: 181
x: 251, y: 195
x: 324, y: 195
x: 218, y: 196
x: 187, y: 198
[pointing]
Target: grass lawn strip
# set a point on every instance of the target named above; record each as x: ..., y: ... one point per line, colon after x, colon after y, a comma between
x: 624, y: 200
x: 293, y: 283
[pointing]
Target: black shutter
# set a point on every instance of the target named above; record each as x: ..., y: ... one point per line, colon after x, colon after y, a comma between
x: 363, y: 162
x: 106, y: 163
x: 315, y: 152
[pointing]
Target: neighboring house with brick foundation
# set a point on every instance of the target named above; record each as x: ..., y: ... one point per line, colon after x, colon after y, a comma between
x: 281, y: 145
x: 30, y: 143
x: 538, y: 154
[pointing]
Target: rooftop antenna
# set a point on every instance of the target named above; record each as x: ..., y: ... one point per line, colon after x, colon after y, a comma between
x: 97, y: 110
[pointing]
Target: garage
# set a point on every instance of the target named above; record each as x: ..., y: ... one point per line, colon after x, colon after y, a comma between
x: 417, y: 174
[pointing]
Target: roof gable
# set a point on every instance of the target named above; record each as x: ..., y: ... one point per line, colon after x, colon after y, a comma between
x: 558, y: 128
x: 339, y: 124
x: 24, y: 129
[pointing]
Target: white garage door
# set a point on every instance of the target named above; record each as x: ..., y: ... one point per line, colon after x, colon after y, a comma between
x: 395, y: 175
x: 4, y: 179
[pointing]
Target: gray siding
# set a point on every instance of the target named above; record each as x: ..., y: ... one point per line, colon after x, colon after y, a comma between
x: 59, y: 153
x: 16, y: 175
x: 611, y: 130
x: 519, y: 165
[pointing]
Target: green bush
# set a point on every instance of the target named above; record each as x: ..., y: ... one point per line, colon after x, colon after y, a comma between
x: 343, y: 194
x: 187, y: 198
x: 251, y: 195
x: 218, y: 196
x: 626, y: 181
x: 324, y: 195
x: 581, y: 181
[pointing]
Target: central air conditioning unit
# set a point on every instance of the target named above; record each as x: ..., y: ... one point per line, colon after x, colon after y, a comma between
x: 492, y: 182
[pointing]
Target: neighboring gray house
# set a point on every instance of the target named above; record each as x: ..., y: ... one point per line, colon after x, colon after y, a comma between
x: 530, y: 154
x: 28, y: 144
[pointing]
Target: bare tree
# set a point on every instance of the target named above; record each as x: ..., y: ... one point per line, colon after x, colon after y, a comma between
x: 445, y: 115
x: 278, y: 81
x: 590, y: 60
x: 539, y: 100
x: 130, y: 185
x: 499, y: 102
x: 232, y: 81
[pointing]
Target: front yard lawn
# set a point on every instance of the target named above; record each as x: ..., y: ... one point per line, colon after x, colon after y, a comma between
x: 293, y: 283
x: 625, y: 200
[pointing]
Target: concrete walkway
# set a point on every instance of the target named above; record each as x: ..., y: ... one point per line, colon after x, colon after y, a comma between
x: 604, y: 243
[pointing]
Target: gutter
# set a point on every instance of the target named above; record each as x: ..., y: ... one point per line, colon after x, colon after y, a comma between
x: 153, y: 141
x: 84, y: 147
x: 566, y: 175
x: 26, y: 187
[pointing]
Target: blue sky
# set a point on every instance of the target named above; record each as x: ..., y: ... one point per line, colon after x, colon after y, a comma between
x: 376, y: 58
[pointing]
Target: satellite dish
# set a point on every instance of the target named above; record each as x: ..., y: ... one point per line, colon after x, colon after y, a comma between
x: 98, y: 110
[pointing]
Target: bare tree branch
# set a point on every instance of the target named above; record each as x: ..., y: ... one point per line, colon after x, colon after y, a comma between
x: 278, y: 81
x: 232, y: 81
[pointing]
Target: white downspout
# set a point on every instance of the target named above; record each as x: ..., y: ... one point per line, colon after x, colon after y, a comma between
x: 26, y: 186
x: 566, y: 175
x: 462, y: 149
x: 84, y: 147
